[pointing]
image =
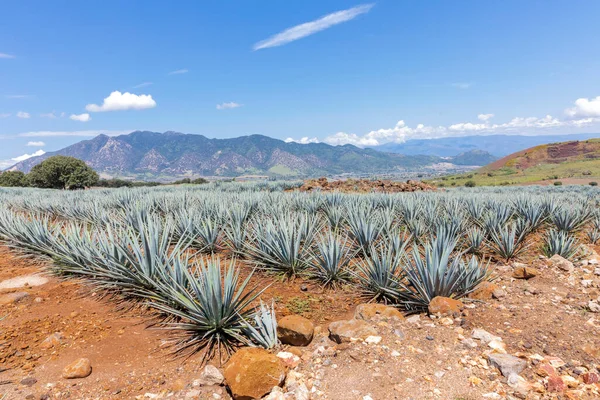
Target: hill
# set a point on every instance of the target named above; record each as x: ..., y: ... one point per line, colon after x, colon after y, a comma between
x: 573, y: 161
x: 497, y: 145
x: 153, y: 155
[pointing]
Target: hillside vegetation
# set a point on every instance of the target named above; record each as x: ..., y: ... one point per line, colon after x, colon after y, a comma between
x: 571, y: 162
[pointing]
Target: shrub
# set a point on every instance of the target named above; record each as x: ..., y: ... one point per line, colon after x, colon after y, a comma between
x: 593, y: 183
x: 470, y: 184
x: 557, y: 183
x: 61, y: 172
x: 13, y: 179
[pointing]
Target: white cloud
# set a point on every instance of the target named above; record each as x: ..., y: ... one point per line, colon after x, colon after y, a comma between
x: 50, y: 115
x: 462, y: 85
x: 143, y: 84
x: 585, y: 108
x: 23, y: 114
x: 302, y: 140
x: 179, y: 71
x: 485, y: 117
x: 90, y: 133
x: 4, y: 115
x: 85, y: 117
x: 227, y: 106
x: 26, y: 156
x: 18, y: 96
x: 467, y: 126
x: 4, y: 55
x: 118, y: 101
x: 312, y: 27
x: 36, y: 144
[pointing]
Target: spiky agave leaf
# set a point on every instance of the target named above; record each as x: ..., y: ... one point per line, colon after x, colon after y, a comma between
x: 211, y: 312
x: 474, y: 240
x: 571, y: 219
x: 329, y: 265
x: 262, y: 328
x: 561, y: 243
x: 508, y: 242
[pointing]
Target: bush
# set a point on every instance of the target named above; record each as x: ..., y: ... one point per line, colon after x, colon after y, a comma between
x: 470, y: 184
x: 593, y: 183
x: 197, y: 181
x: 12, y: 179
x: 61, y: 172
x: 557, y: 183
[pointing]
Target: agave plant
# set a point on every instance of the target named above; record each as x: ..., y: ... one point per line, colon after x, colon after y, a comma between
x: 262, y: 329
x: 474, y: 240
x: 364, y: 230
x: 508, y: 242
x: 330, y: 263
x: 437, y: 274
x: 561, y: 243
x: 571, y: 219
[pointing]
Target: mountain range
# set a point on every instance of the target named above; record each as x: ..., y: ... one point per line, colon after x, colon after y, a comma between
x: 497, y: 145
x: 153, y: 155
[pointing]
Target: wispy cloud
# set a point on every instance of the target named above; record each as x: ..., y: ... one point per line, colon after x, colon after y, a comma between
x: 4, y: 55
x: 227, y: 106
x: 50, y: 115
x: 90, y: 133
x: 143, y: 84
x: 23, y: 115
x: 4, y: 115
x: 36, y: 144
x: 85, y: 117
x: 462, y: 85
x: 18, y: 96
x: 302, y: 140
x: 179, y: 72
x: 118, y: 101
x: 312, y: 27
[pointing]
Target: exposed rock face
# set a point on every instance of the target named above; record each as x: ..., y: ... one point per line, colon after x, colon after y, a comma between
x: 375, y: 312
x: 345, y: 331
x: 80, y: 368
x: 445, y: 306
x: 251, y: 373
x: 295, y: 330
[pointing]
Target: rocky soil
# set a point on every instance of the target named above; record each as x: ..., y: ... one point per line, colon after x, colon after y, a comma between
x: 532, y: 334
x: 364, y: 186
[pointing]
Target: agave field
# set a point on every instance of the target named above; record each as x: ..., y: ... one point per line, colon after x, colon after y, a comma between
x: 188, y: 253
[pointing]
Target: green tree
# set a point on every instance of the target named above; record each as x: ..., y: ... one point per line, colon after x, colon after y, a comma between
x: 470, y: 184
x: 61, y: 172
x: 12, y: 179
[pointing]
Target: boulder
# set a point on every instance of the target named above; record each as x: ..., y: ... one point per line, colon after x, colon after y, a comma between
x: 376, y: 312
x: 561, y: 263
x: 251, y: 373
x: 345, y: 331
x: 525, y: 273
x: 507, y: 364
x: 484, y: 291
x: 80, y: 368
x: 210, y: 376
x: 295, y: 330
x: 445, y: 306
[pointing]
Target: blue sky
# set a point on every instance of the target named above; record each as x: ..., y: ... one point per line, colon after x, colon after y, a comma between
x: 362, y: 73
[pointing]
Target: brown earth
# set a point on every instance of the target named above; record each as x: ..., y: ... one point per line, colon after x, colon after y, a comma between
x: 416, y: 359
x: 364, y: 186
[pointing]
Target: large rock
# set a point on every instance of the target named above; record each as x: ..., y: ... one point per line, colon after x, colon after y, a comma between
x: 507, y: 364
x: 210, y: 376
x: 525, y: 273
x: 345, y: 331
x: 445, y: 306
x: 81, y: 368
x: 252, y: 372
x: 484, y: 291
x: 295, y: 330
x: 376, y: 312
x: 561, y: 263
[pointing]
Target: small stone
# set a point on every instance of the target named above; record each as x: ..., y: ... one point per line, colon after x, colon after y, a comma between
x: 497, y: 345
x: 484, y: 291
x: 210, y: 376
x: 29, y: 381
x: 54, y: 340
x: 545, y: 370
x: 445, y: 306
x: 561, y: 263
x: 469, y: 343
x: 80, y: 368
x: 373, y: 339
x: 376, y: 312
x: 507, y: 364
x: 289, y: 360
x: 555, y: 384
x: 525, y: 273
x: 594, y: 306
x: 295, y: 330
x: 570, y: 381
x: 446, y: 321
x: 590, y: 377
x: 346, y: 330
x: 429, y: 337
x: 484, y: 336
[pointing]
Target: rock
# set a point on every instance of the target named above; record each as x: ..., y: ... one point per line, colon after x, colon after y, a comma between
x: 594, y: 306
x: 545, y: 370
x: 497, y: 345
x: 289, y: 360
x: 346, y: 330
x: 555, y: 384
x: 377, y: 312
x: 561, y: 263
x: 484, y: 336
x: 518, y: 383
x: 54, y: 340
x: 11, y: 298
x: 499, y: 293
x: 446, y: 321
x: 590, y: 377
x: 23, y: 281
x: 507, y: 364
x: 29, y: 381
x: 81, y: 368
x: 525, y: 273
x: 252, y: 372
x: 570, y: 381
x: 484, y: 291
x: 373, y: 339
x: 295, y: 330
x: 445, y: 306
x: 210, y: 376
x: 276, y: 394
